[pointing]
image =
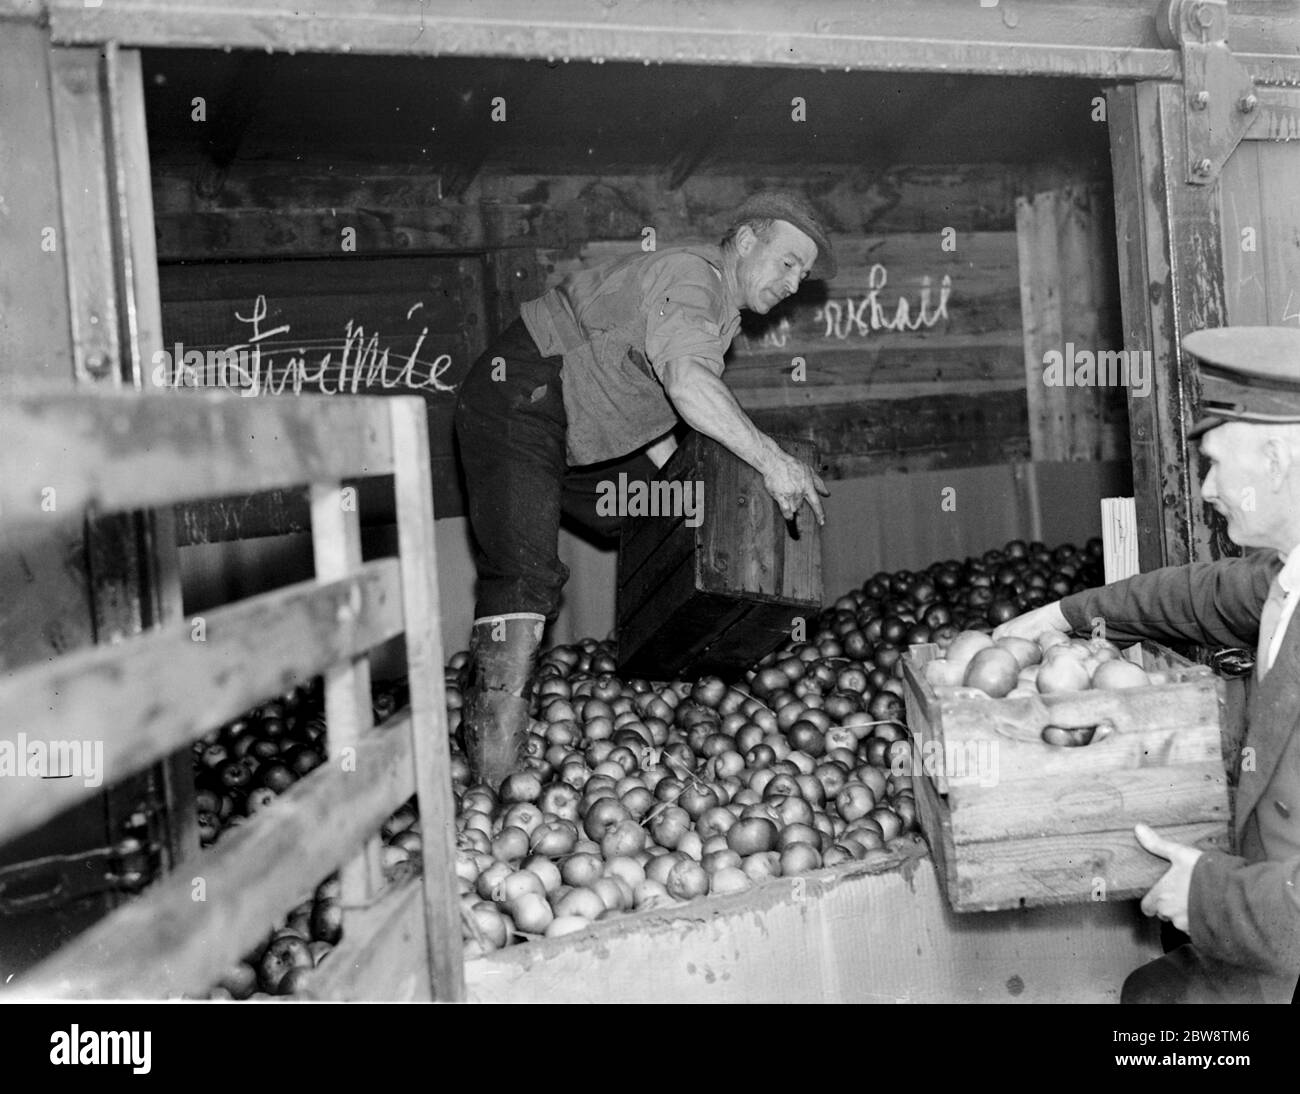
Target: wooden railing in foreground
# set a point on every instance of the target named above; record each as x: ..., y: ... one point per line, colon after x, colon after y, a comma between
x: 65, y: 456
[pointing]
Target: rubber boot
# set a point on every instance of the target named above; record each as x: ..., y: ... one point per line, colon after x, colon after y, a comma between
x: 498, y: 693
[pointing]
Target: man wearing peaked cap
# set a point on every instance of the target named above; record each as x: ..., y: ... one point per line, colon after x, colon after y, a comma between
x: 586, y: 385
x: 1241, y: 908
x: 1248, y: 374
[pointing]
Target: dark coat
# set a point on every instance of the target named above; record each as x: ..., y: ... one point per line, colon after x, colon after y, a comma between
x: 1244, y: 909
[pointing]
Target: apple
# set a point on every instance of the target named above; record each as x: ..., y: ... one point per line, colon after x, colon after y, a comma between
x: 284, y: 954
x: 326, y: 921
x: 240, y: 980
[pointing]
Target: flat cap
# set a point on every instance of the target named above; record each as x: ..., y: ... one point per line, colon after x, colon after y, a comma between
x: 1248, y: 374
x: 794, y: 209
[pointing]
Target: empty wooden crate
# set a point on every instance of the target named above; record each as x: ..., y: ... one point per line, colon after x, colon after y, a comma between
x: 1013, y: 821
x: 718, y: 579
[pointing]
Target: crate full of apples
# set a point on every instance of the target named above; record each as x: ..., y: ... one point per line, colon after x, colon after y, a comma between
x: 1033, y: 761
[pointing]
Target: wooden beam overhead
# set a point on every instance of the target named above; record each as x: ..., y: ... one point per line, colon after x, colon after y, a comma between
x: 1111, y: 39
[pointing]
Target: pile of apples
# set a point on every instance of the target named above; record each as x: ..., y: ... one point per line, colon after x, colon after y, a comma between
x: 1016, y: 668
x: 642, y: 795
x: 241, y: 768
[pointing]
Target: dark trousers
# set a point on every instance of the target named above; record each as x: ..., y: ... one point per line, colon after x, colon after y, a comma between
x: 1185, y: 975
x: 510, y: 427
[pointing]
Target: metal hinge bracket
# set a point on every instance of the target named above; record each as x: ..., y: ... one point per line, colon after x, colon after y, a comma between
x: 53, y: 881
x: 1218, y: 93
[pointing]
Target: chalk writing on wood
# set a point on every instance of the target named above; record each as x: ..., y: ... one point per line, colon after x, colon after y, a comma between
x: 853, y: 315
x: 869, y: 314
x: 270, y: 361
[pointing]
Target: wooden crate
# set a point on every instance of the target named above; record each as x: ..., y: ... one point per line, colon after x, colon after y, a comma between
x: 68, y: 455
x: 718, y: 596
x: 1013, y: 821
x: 875, y: 931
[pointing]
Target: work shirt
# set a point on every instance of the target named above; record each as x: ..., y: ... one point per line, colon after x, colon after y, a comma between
x: 1289, y: 579
x: 617, y: 326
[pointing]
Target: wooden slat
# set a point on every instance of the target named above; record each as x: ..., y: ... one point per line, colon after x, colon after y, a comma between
x: 1066, y: 869
x: 1014, y: 821
x: 160, y: 691
x: 1279, y: 237
x: 868, y: 437
x: 638, y: 622
x: 88, y: 215
x: 780, y: 395
x: 35, y: 338
x: 647, y: 583
x: 131, y: 192
x: 381, y: 957
x: 746, y: 546
x: 1154, y: 726
x: 677, y: 643
x: 1245, y: 272
x: 1052, y: 37
x: 1198, y: 286
x: 1119, y: 539
x: 1141, y: 233
x: 645, y: 538
x: 889, y: 359
x: 294, y: 233
x: 1063, y: 305
x: 274, y: 513
x: 740, y: 522
x: 431, y: 747
x: 112, y: 453
x: 168, y: 942
x: 555, y: 211
x: 1163, y: 796
x: 336, y: 551
x: 762, y: 628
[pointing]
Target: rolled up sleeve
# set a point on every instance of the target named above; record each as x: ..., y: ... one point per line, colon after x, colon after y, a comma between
x: 684, y: 314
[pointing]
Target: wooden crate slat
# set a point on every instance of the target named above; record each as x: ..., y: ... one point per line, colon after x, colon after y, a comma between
x: 695, y: 626
x: 1013, y: 820
x: 336, y: 552
x: 675, y: 552
x: 1159, y: 796
x: 430, y: 743
x: 1064, y: 869
x: 738, y: 513
x: 641, y: 622
x: 762, y: 624
x: 160, y: 691
x: 643, y: 539
x: 168, y: 943
x: 69, y: 452
x: 686, y: 594
x: 378, y: 958
x: 1159, y: 726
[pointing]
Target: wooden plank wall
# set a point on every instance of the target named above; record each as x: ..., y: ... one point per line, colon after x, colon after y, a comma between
x: 945, y: 388
x: 1069, y: 305
x: 1261, y: 235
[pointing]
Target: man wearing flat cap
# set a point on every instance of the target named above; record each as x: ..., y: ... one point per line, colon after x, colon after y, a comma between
x: 588, y: 383
x: 1242, y: 910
